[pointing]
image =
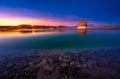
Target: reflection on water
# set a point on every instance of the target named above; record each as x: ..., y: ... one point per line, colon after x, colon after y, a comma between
x: 82, y: 32
x: 22, y: 33
x: 58, y: 39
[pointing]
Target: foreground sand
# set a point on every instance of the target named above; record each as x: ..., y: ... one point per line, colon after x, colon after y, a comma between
x: 62, y: 64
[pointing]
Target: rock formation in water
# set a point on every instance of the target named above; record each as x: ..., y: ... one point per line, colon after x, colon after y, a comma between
x: 82, y: 24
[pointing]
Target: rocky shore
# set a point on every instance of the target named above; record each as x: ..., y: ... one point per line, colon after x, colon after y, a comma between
x: 62, y: 64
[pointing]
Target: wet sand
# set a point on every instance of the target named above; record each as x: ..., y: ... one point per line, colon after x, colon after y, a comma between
x: 62, y: 64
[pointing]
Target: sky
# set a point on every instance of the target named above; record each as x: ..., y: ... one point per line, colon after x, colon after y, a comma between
x: 59, y: 12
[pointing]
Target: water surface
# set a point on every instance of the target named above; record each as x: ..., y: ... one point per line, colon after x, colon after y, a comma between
x: 57, y: 39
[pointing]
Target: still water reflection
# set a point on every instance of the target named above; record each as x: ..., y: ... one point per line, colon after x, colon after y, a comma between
x: 57, y: 39
x: 82, y: 32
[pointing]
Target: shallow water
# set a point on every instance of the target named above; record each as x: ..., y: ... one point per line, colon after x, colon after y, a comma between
x: 57, y: 39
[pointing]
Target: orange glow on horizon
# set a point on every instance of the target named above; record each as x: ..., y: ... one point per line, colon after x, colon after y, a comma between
x: 43, y: 21
x: 7, y: 21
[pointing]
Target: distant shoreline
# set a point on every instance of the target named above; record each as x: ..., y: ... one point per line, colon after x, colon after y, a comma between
x: 21, y: 27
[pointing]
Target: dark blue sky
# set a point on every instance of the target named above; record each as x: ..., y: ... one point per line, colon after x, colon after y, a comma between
x: 96, y: 11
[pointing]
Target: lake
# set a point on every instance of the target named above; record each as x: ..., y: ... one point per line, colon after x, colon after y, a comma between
x: 30, y: 40
x: 60, y: 54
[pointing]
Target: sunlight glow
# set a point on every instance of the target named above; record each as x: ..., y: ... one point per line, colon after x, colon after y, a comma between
x: 16, y: 17
x: 32, y: 21
x: 7, y: 21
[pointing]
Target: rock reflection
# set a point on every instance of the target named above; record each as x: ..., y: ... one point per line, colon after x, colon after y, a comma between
x: 82, y: 32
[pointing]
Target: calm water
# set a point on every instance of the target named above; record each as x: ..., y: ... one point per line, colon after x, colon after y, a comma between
x: 57, y: 39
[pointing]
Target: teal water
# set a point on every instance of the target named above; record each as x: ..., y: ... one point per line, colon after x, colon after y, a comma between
x: 57, y: 39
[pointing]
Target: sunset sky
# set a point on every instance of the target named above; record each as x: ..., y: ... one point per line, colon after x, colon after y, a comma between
x: 59, y: 12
